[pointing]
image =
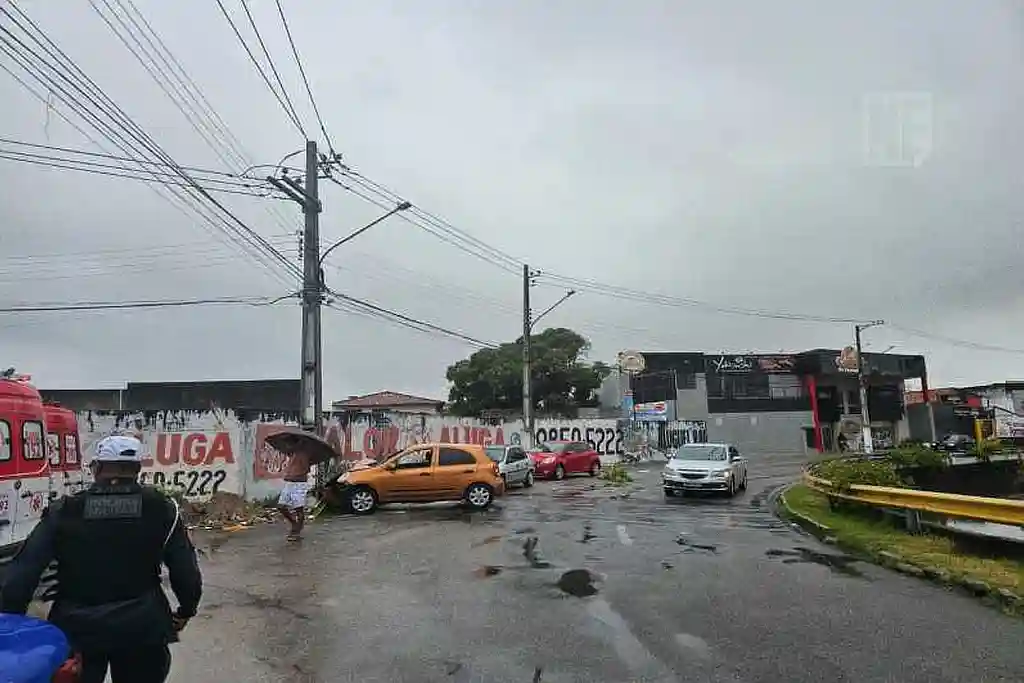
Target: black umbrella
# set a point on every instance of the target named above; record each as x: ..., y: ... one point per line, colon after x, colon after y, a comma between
x: 312, y: 445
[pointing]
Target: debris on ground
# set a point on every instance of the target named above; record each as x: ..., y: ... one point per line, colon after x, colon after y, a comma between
x: 225, y: 512
x: 578, y: 582
x: 531, y: 553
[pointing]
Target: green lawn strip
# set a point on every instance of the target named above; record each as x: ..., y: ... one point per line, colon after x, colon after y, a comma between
x: 927, y: 551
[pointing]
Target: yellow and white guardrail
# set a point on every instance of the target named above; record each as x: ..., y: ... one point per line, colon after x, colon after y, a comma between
x: 998, y: 510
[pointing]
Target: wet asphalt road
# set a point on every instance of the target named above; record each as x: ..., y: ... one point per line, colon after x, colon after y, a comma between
x: 690, y: 590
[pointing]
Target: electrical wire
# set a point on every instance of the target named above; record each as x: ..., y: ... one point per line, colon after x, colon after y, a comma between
x: 380, y: 195
x: 952, y: 341
x: 122, y: 305
x: 353, y: 304
x: 120, y: 130
x: 302, y: 72
x: 210, y: 184
x: 226, y: 142
x: 266, y: 79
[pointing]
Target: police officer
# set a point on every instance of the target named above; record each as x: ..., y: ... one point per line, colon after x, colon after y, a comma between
x: 109, y: 543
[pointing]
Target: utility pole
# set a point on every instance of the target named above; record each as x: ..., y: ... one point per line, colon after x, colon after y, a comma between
x: 862, y: 380
x: 527, y: 370
x: 307, y: 195
x: 312, y: 367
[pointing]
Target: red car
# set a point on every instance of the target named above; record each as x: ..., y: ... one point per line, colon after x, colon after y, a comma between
x: 556, y: 459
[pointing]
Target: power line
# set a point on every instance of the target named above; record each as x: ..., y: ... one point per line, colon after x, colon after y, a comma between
x: 170, y: 179
x: 468, y: 243
x: 302, y: 72
x: 225, y: 142
x: 121, y: 305
x: 952, y: 341
x: 354, y: 304
x: 229, y: 224
x: 290, y: 111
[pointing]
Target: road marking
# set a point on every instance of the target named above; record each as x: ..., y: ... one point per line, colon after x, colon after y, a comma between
x: 624, y: 538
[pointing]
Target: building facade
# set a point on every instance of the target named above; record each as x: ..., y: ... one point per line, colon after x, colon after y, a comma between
x: 776, y: 404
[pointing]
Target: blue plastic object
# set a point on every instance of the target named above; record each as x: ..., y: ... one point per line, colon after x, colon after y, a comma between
x: 31, y: 650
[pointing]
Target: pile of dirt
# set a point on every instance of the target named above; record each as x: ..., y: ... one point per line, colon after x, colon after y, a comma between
x: 226, y: 511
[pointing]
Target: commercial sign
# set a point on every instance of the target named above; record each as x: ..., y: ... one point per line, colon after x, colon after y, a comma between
x: 847, y: 361
x: 742, y: 364
x: 651, y: 411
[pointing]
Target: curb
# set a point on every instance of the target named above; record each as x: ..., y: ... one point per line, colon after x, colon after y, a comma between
x: 1004, y: 598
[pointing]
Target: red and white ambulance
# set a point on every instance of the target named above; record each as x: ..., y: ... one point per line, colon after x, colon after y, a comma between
x: 39, y: 456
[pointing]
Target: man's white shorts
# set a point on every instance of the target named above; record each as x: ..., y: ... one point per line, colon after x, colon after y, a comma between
x: 293, y: 495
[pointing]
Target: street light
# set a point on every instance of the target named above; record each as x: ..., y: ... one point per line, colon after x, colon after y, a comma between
x: 552, y: 307
x: 400, y: 207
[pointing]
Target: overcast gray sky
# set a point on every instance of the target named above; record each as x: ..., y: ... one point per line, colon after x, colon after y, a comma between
x: 702, y: 149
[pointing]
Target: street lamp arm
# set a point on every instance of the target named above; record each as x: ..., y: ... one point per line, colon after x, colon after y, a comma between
x: 552, y: 307
x: 401, y: 207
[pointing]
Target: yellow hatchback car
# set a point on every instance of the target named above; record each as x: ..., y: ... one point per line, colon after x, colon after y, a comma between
x: 425, y: 473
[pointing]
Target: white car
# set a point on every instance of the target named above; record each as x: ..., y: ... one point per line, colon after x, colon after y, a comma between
x: 705, y: 467
x: 514, y: 466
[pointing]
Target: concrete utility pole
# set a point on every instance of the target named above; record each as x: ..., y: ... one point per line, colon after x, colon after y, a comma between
x: 527, y: 371
x: 306, y: 194
x: 862, y: 380
x: 528, y: 323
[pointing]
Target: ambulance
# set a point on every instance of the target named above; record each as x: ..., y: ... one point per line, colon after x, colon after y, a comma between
x: 40, y: 457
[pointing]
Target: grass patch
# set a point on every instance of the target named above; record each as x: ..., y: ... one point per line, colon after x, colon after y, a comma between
x: 860, y: 532
x: 616, y: 474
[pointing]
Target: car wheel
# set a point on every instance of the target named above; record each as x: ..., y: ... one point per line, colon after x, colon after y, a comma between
x: 504, y: 481
x: 669, y: 493
x: 732, y: 488
x: 743, y: 484
x: 595, y: 469
x: 528, y: 481
x: 479, y: 496
x: 559, y: 472
x: 363, y: 500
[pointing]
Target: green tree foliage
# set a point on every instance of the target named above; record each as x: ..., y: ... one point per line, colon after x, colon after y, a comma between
x: 563, y: 381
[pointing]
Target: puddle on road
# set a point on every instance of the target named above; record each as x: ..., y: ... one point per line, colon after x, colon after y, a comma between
x: 578, y: 583
x: 690, y: 546
x: 487, y: 571
x: 840, y: 564
x: 524, y: 530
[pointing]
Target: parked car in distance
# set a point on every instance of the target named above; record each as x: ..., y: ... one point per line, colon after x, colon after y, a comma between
x: 425, y: 473
x: 705, y: 467
x: 514, y: 466
x: 558, y: 459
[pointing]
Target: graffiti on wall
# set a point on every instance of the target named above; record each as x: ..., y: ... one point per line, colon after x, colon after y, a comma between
x: 604, y: 436
x: 196, y: 453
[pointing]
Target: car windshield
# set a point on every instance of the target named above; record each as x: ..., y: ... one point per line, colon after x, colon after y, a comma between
x: 552, y: 447
x: 495, y: 453
x: 713, y: 453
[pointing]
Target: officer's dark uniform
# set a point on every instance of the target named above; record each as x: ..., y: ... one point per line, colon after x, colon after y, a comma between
x: 109, y: 543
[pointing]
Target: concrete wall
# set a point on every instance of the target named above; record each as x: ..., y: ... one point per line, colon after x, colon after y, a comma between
x: 203, y: 452
x: 761, y: 435
x: 692, y: 404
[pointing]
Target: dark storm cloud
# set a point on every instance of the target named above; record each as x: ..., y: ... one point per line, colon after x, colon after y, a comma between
x: 705, y: 150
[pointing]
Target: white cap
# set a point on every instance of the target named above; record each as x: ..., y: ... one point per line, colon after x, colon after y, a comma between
x: 118, y: 449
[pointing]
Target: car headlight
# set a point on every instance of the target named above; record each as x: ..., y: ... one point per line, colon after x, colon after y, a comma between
x: 719, y: 474
x: 548, y: 459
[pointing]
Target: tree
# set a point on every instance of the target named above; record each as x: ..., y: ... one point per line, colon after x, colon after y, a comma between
x: 563, y: 382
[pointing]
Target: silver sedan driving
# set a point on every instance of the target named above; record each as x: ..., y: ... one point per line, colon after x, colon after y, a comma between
x: 514, y: 465
x: 705, y: 467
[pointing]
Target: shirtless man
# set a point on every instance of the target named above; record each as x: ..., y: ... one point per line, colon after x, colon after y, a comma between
x: 292, y: 501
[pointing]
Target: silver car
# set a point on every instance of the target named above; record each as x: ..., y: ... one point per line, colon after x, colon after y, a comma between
x: 514, y: 465
x: 705, y: 467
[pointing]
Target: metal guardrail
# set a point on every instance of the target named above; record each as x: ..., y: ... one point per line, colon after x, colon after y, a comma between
x: 997, y: 510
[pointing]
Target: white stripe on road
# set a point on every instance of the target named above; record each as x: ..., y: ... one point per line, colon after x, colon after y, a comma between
x: 624, y: 538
